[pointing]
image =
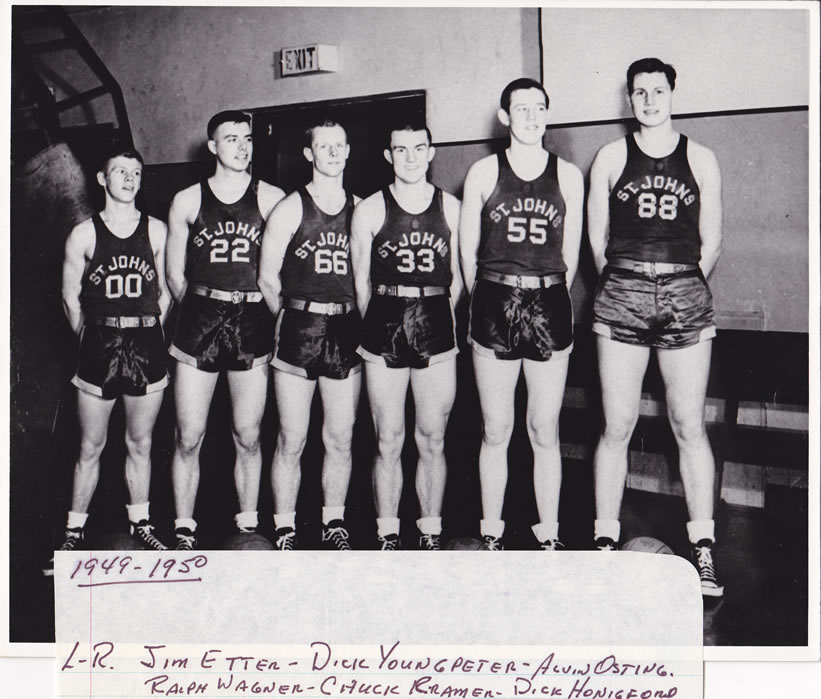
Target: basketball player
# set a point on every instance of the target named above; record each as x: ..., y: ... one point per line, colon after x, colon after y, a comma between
x: 214, y: 236
x: 519, y: 238
x: 305, y: 275
x: 405, y: 257
x: 115, y: 299
x: 654, y: 219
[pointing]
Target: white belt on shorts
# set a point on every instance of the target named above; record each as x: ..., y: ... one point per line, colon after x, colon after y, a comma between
x: 328, y: 309
x: 651, y: 269
x: 523, y: 281
x: 412, y: 292
x: 219, y: 295
x: 123, y: 321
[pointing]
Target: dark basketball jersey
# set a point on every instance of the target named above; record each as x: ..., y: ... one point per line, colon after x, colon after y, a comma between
x: 317, y: 265
x: 523, y: 223
x: 654, y: 208
x: 412, y: 249
x: 121, y: 278
x: 224, y: 241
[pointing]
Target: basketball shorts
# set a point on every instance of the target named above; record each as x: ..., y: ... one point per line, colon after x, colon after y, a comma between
x: 509, y: 322
x: 214, y: 335
x: 667, y: 311
x: 314, y: 344
x: 406, y: 332
x: 121, y: 361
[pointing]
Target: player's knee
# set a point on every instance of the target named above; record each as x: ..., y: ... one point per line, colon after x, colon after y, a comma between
x: 246, y: 439
x: 688, y: 427
x: 430, y: 439
x: 389, y: 440
x: 543, y: 435
x: 138, y: 447
x: 339, y: 441
x: 496, y: 433
x: 290, y: 443
x: 188, y: 442
x: 618, y: 430
x: 91, y: 448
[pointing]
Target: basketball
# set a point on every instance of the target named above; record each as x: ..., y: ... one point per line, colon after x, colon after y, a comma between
x: 463, y: 543
x: 248, y: 542
x: 647, y: 544
x: 118, y: 541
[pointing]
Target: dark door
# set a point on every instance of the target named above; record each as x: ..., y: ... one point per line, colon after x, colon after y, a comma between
x: 279, y: 138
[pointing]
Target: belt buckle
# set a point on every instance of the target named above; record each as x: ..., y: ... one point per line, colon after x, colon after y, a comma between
x: 236, y: 297
x: 519, y: 281
x: 117, y: 322
x: 334, y: 309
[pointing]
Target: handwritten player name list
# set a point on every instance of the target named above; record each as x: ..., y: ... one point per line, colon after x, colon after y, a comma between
x: 320, y: 669
x: 312, y: 624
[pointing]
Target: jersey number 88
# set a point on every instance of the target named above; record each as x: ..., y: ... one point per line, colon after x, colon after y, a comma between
x: 665, y: 206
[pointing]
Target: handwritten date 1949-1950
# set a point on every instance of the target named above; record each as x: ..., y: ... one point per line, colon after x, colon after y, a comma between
x: 124, y: 568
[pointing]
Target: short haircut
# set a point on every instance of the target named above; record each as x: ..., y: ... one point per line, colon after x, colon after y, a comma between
x: 521, y: 84
x: 119, y: 151
x: 650, y: 65
x: 320, y: 123
x: 230, y: 116
x: 409, y: 125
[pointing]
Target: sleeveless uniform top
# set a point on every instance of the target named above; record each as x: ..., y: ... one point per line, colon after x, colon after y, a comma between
x: 412, y: 249
x: 317, y: 264
x: 654, y: 208
x: 121, y: 278
x: 523, y: 223
x: 224, y: 241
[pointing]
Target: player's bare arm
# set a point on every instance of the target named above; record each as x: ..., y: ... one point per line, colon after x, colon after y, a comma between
x: 708, y: 177
x: 181, y: 215
x: 452, y: 208
x: 268, y: 196
x: 78, y: 251
x: 365, y: 222
x: 157, y: 234
x: 280, y: 227
x: 571, y: 184
x: 609, y: 162
x: 479, y: 184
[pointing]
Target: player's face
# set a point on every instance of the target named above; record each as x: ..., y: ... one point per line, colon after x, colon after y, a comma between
x: 651, y: 99
x: 232, y: 145
x: 329, y: 150
x: 527, y: 117
x: 122, y: 178
x: 410, y: 154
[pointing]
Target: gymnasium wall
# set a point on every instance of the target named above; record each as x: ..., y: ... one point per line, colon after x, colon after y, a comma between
x: 179, y: 65
x: 742, y: 58
x: 745, y: 74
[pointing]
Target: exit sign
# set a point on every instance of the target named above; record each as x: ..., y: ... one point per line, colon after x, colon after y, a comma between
x: 314, y: 58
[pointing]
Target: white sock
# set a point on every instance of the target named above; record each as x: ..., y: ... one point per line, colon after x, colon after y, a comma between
x: 385, y: 526
x: 329, y: 514
x: 76, y: 520
x: 698, y: 529
x: 610, y: 528
x: 185, y: 523
x: 546, y: 531
x: 430, y: 525
x: 137, y: 513
x: 492, y: 527
x: 285, y: 520
x: 246, y: 520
